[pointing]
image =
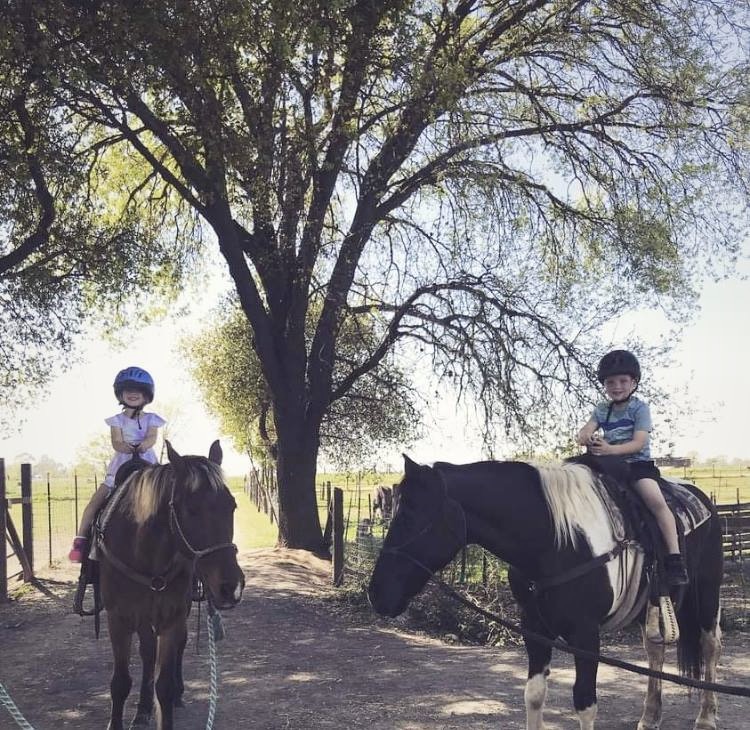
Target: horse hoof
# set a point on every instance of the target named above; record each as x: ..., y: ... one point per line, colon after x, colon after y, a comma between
x: 141, y: 720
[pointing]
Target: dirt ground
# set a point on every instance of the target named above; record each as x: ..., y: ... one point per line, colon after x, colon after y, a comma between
x: 291, y: 660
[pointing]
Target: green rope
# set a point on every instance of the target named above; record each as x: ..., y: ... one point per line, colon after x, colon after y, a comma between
x: 15, y: 713
x: 215, y: 633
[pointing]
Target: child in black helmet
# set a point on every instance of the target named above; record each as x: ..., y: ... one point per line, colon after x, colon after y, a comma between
x: 625, y: 422
x: 133, y: 431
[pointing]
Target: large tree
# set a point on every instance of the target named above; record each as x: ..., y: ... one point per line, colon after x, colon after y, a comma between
x: 489, y: 180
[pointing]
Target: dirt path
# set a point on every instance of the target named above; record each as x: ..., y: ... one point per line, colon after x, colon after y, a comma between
x: 291, y: 662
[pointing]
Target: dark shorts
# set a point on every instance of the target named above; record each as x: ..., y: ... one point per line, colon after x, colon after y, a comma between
x: 644, y: 470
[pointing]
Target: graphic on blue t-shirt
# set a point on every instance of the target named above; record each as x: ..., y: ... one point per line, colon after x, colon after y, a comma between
x: 620, y: 422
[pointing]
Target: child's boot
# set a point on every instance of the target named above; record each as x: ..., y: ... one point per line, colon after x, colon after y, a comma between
x: 79, y: 549
x: 674, y: 567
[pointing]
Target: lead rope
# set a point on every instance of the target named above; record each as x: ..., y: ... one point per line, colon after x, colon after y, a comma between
x: 215, y: 633
x: 15, y: 713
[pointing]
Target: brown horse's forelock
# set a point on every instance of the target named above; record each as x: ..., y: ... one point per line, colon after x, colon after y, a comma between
x: 151, y: 487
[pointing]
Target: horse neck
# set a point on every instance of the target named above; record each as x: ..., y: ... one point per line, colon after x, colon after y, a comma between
x: 505, y: 512
x: 151, y: 545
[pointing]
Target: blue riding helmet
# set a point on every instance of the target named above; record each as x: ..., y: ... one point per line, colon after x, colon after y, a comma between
x: 134, y: 378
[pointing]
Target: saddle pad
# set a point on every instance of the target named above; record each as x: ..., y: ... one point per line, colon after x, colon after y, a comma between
x: 686, y: 506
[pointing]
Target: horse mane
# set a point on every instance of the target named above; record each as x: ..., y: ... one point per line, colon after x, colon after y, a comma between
x: 148, y: 489
x: 572, y: 499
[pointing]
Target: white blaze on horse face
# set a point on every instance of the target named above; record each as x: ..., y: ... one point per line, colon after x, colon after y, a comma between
x: 534, y: 695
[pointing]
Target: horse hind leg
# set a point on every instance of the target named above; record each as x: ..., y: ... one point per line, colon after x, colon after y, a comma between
x: 652, y: 707
x: 711, y: 648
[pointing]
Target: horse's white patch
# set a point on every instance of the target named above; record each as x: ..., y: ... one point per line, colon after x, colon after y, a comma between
x: 587, y: 717
x: 575, y: 507
x: 535, y: 692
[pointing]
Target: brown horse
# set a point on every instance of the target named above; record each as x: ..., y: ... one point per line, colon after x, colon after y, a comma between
x: 163, y: 525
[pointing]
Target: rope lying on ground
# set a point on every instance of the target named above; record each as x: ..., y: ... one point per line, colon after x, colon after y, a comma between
x: 15, y: 713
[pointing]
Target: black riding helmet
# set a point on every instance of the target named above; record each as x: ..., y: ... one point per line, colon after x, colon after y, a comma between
x: 618, y: 362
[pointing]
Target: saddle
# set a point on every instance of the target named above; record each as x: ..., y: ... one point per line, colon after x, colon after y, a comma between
x: 640, y: 569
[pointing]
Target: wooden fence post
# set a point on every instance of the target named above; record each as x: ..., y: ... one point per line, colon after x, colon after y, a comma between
x: 3, y: 532
x: 338, y: 536
x: 27, y: 517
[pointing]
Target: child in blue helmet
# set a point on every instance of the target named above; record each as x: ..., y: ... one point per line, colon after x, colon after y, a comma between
x: 134, y: 431
x: 625, y: 424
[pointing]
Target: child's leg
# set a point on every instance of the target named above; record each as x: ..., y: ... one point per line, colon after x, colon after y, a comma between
x: 649, y: 491
x: 95, y: 504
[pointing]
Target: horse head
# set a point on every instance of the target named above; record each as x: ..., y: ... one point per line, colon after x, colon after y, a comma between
x: 427, y: 531
x: 202, y: 518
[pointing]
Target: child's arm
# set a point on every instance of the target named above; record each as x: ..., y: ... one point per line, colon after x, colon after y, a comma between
x: 584, y: 435
x: 639, y: 440
x: 118, y: 441
x: 149, y: 441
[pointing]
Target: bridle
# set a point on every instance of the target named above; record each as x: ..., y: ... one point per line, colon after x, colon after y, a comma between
x: 158, y: 583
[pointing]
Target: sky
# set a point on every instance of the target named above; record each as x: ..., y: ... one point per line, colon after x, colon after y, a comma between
x: 712, y: 360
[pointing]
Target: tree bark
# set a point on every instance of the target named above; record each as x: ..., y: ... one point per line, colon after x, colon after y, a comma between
x: 299, y: 523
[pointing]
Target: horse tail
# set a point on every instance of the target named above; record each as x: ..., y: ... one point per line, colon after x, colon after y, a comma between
x: 689, y: 649
x: 699, y: 612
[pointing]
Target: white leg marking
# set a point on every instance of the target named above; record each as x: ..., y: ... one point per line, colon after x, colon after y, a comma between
x: 651, y: 717
x: 534, y: 696
x: 711, y: 647
x: 587, y: 717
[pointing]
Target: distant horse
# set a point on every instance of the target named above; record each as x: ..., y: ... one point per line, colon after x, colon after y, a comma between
x: 164, y: 524
x: 382, y: 501
x: 554, y: 531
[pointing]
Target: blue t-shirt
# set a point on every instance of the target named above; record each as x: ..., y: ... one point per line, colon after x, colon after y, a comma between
x: 624, y: 420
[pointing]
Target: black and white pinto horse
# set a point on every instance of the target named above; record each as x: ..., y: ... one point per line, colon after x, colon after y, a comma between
x: 550, y: 525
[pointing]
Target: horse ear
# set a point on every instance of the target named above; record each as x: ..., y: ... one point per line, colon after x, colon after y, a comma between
x: 172, y: 455
x: 410, y: 467
x: 215, y: 454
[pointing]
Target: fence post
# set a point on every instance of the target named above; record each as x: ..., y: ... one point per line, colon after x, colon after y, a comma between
x: 27, y: 516
x: 75, y: 497
x: 49, y: 519
x: 338, y: 536
x: 3, y: 531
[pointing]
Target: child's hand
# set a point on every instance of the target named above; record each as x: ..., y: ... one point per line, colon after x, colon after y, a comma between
x: 599, y: 447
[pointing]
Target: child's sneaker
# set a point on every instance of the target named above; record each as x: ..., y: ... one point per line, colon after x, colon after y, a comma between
x: 674, y: 567
x: 79, y: 549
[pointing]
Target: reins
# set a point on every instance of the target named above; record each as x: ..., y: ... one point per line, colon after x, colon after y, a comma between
x: 557, y: 643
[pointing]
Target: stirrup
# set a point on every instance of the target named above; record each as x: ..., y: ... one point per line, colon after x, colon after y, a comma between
x: 661, y: 622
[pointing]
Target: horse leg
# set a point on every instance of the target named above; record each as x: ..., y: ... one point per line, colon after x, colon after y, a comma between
x: 147, y: 650
x: 120, y: 636
x: 535, y: 692
x: 585, y: 636
x: 651, y: 717
x: 711, y: 648
x: 167, y: 645
x: 178, y: 683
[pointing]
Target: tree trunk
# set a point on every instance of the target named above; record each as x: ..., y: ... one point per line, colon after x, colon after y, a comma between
x: 296, y: 468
